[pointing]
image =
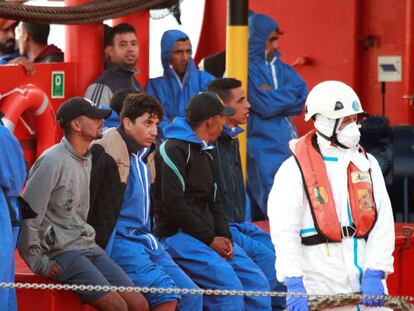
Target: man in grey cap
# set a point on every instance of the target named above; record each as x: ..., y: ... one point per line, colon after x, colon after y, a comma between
x: 58, y: 243
x: 190, y: 221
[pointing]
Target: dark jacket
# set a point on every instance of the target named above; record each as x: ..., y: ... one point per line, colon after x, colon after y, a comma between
x: 109, y: 176
x: 185, y: 188
x: 49, y: 54
x: 215, y: 64
x: 230, y: 175
x: 114, y: 78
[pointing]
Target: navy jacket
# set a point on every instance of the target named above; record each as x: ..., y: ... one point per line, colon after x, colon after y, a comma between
x: 230, y: 175
x: 185, y: 189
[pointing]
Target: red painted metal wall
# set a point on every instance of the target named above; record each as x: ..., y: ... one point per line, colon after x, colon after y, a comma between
x: 331, y: 34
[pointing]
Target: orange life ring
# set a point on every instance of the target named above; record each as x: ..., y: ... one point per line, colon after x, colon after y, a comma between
x: 30, y: 97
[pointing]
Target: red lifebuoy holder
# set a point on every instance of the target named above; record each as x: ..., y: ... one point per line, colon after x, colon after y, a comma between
x: 30, y: 98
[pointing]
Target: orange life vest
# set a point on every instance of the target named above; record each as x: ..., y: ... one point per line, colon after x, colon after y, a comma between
x: 320, y: 197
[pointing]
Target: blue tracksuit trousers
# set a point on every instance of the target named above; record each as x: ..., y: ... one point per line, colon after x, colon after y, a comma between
x: 147, y: 263
x: 209, y: 270
x: 259, y: 247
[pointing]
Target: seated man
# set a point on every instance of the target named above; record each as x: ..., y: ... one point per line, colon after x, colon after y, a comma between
x: 181, y: 78
x: 58, y: 243
x: 120, y: 205
x: 190, y: 221
x: 254, y: 241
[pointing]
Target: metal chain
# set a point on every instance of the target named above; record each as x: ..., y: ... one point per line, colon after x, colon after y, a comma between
x: 316, y: 301
x: 200, y: 291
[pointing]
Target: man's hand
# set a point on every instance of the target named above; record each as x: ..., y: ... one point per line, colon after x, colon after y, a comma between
x: 55, y: 271
x: 223, y: 247
x: 266, y: 87
x: 27, y: 65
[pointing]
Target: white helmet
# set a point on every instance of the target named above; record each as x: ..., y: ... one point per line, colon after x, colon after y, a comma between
x: 332, y: 99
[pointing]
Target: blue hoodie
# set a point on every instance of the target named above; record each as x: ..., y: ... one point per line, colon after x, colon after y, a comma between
x: 170, y: 91
x: 269, y: 128
x: 180, y: 129
x: 114, y: 119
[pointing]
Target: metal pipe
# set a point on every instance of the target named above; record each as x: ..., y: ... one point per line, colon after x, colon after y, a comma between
x: 408, y: 68
x: 406, y: 200
x: 237, y: 53
x: 84, y: 47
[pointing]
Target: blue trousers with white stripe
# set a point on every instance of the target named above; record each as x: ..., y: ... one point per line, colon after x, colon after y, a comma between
x: 147, y: 263
x: 209, y: 270
x: 259, y: 247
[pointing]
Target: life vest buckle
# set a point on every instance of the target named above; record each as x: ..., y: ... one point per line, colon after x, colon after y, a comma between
x: 348, y: 231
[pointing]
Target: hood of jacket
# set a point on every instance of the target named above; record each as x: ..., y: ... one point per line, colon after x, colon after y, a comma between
x: 114, y: 119
x: 167, y: 43
x: 232, y: 131
x: 52, y: 52
x: 260, y: 27
x: 180, y: 129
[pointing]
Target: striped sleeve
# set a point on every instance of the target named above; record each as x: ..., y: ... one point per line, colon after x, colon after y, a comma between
x: 99, y: 93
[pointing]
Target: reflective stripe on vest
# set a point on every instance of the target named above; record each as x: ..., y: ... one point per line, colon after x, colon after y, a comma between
x: 320, y: 196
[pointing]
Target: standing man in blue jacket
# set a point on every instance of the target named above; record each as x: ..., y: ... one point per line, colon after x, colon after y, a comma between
x: 276, y: 93
x: 181, y: 79
x: 12, y: 178
x: 120, y: 205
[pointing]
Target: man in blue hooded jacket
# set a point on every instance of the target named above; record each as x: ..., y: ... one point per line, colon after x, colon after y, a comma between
x: 181, y: 78
x: 12, y: 178
x: 276, y: 93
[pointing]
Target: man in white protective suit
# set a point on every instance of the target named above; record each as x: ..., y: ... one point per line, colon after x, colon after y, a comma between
x: 330, y: 215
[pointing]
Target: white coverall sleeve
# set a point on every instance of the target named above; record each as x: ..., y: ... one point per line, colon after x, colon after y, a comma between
x: 381, y: 240
x: 285, y: 206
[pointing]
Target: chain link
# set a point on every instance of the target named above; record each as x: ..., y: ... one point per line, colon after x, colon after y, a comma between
x: 83, y: 287
x: 316, y: 301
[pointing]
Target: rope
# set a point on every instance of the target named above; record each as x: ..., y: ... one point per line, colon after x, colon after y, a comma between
x: 89, y: 13
x: 316, y: 301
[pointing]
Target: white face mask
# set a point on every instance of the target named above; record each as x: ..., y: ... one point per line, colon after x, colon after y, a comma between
x: 349, y: 136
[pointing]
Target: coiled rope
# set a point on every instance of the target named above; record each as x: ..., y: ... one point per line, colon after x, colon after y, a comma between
x: 89, y: 13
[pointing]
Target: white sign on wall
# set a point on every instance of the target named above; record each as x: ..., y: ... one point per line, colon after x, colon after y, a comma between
x: 389, y: 68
